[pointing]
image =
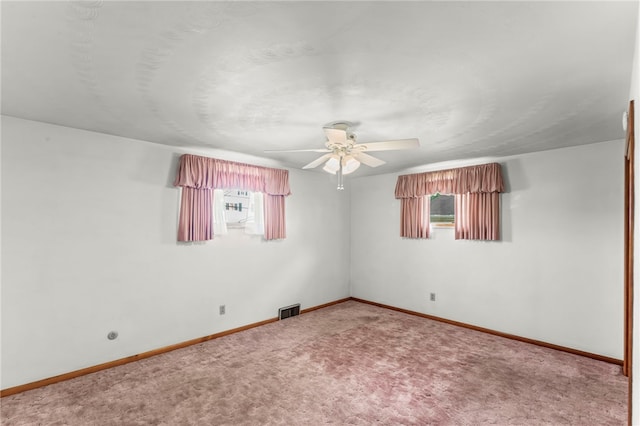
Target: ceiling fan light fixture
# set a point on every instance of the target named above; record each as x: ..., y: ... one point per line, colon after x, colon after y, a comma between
x: 332, y: 165
x: 349, y: 165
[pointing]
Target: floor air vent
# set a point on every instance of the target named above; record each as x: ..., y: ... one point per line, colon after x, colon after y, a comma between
x: 289, y: 311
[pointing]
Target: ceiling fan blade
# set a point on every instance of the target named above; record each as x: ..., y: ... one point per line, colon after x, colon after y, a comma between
x: 368, y: 160
x: 391, y: 145
x: 317, y: 161
x: 335, y: 135
x: 299, y: 150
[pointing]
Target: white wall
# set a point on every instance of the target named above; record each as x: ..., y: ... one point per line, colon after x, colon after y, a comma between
x: 89, y: 246
x: 556, y: 276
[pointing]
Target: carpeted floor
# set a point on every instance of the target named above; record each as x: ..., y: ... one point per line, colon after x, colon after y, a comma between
x: 348, y: 364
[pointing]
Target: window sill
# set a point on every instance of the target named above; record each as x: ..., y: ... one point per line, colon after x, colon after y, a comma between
x: 442, y: 225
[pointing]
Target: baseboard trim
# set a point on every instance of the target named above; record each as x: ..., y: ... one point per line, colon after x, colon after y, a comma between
x: 496, y: 333
x: 111, y: 364
x: 326, y: 305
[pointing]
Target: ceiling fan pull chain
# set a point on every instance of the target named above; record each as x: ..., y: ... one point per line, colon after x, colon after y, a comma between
x: 340, y: 178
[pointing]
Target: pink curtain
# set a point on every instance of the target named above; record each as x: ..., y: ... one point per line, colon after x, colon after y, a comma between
x: 203, y: 174
x: 482, y: 178
x: 414, y: 217
x: 477, y: 216
x: 195, y: 223
x: 477, y: 191
x: 274, y: 223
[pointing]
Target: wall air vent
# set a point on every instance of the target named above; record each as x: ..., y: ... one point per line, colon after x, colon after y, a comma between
x: 289, y: 311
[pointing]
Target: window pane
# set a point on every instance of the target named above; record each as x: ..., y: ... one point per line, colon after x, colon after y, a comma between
x: 441, y: 208
x: 236, y: 207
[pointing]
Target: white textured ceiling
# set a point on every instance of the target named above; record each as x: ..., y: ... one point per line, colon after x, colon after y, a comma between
x: 469, y: 79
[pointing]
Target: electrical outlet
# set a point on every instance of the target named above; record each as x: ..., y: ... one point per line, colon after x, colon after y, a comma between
x: 432, y: 297
x: 223, y: 309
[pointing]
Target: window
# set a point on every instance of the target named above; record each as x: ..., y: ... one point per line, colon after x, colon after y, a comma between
x: 441, y: 210
x: 199, y: 177
x: 238, y: 209
x: 477, y: 201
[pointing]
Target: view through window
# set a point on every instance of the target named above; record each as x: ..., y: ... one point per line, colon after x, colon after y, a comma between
x: 237, y: 207
x: 441, y: 210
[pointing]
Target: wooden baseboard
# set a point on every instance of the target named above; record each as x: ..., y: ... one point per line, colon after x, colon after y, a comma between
x: 497, y: 333
x: 77, y: 373
x: 315, y: 308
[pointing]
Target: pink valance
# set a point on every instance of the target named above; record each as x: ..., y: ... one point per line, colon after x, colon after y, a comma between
x: 210, y: 173
x: 474, y: 179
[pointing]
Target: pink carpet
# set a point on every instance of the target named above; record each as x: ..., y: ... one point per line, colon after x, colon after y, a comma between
x: 348, y: 364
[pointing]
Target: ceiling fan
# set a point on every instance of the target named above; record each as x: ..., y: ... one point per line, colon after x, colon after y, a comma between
x: 343, y: 155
